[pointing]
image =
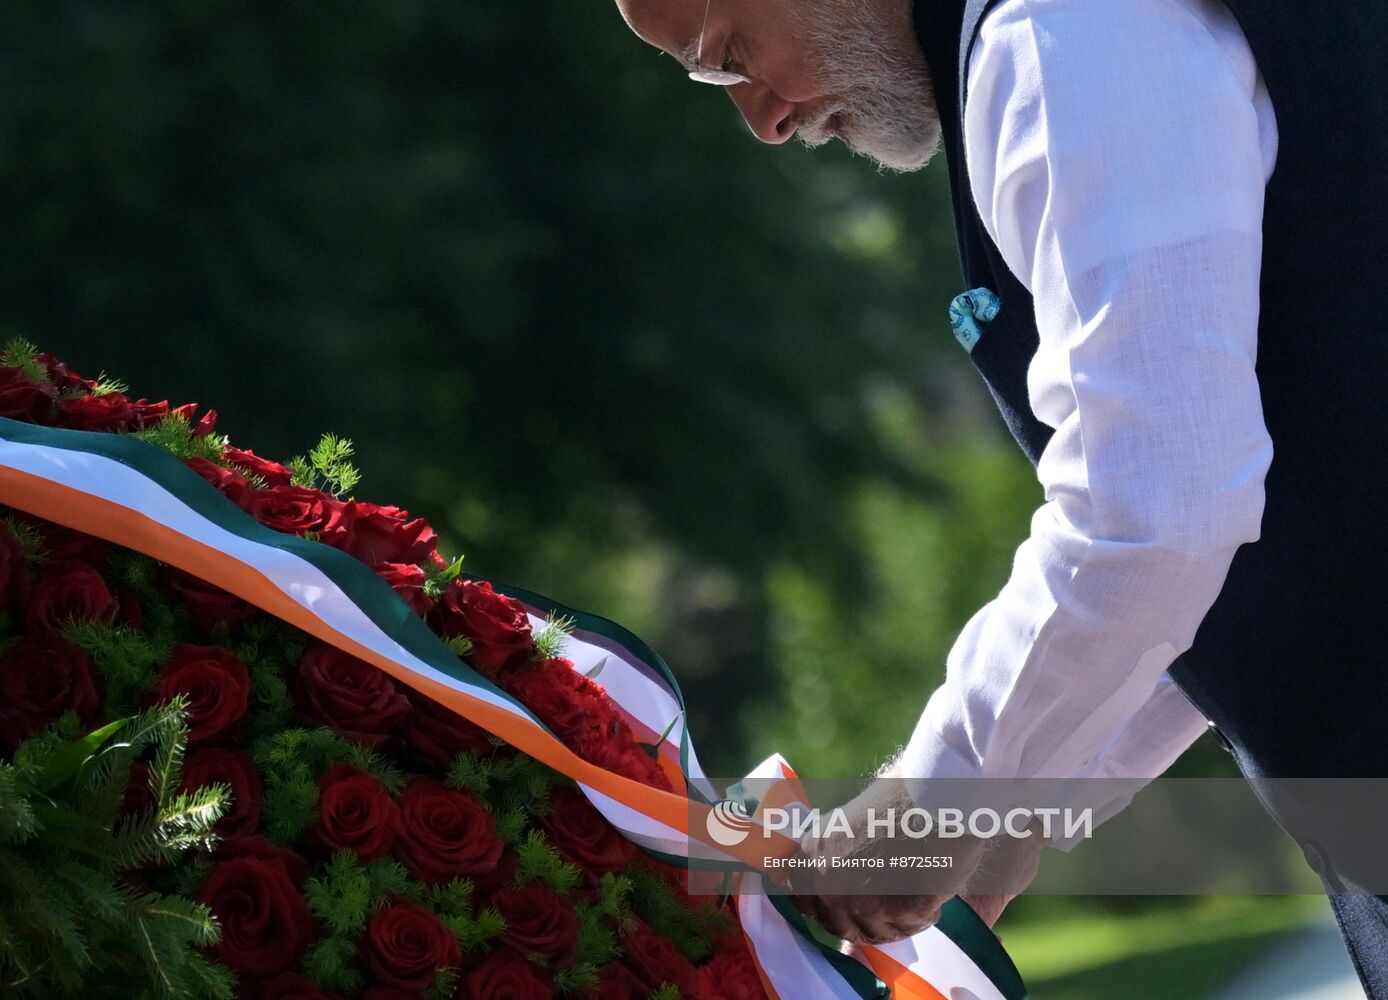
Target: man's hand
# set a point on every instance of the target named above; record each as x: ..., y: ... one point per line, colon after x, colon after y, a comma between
x: 875, y: 905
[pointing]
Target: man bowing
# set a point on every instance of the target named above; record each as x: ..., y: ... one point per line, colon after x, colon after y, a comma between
x: 1174, y: 215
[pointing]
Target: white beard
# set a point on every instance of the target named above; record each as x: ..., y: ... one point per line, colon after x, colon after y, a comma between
x: 886, y: 109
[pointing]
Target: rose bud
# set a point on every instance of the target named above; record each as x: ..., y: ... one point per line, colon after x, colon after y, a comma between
x: 445, y: 834
x: 110, y: 411
x: 504, y: 975
x: 289, y: 509
x: 355, y: 813
x: 539, y: 921
x: 21, y: 399
x: 581, y: 834
x: 655, y: 960
x: 349, y: 696
x: 215, y: 685
x: 377, y: 535
x: 70, y: 591
x: 266, y: 925
x: 497, y: 625
x: 406, y: 946
x: 41, y: 677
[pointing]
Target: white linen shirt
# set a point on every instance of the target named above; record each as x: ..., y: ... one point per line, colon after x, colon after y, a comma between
x: 1118, y: 154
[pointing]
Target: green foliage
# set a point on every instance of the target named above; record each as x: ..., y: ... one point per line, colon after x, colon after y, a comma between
x: 28, y: 537
x: 691, y: 922
x: 453, y: 903
x: 601, y: 922
x: 71, y: 924
x: 290, y: 761
x: 515, y: 786
x: 106, y: 385
x: 549, y: 641
x: 327, y: 467
x: 666, y: 991
x: 341, y: 897
x: 20, y: 353
x: 445, y: 985
x: 330, y: 964
x: 174, y: 434
x: 270, y: 649
x: 438, y: 580
x: 538, y: 860
x: 127, y: 660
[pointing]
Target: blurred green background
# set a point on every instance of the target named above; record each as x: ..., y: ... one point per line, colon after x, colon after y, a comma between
x: 566, y: 306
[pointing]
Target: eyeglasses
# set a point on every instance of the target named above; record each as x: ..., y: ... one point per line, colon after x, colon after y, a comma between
x: 713, y: 76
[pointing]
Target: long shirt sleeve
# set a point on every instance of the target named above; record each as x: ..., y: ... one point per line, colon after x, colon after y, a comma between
x: 1118, y: 154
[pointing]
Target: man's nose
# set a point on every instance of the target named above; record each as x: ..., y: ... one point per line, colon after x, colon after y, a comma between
x: 770, y: 117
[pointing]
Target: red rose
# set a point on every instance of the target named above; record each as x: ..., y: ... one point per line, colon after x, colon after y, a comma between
x: 256, y: 846
x: 214, y: 684
x: 438, y: 734
x: 270, y: 473
x: 108, y: 412
x: 390, y: 993
x: 207, y: 606
x: 14, y: 570
x: 655, y: 960
x: 568, y: 703
x: 231, y: 484
x: 266, y: 925
x: 504, y: 975
x: 355, y: 813
x: 731, y: 973
x: 445, y: 834
x: 377, y: 535
x: 349, y: 696
x: 406, y: 945
x: 41, y: 677
x: 583, y: 836
x: 289, y: 986
x: 497, y: 625
x: 408, y: 581
x: 539, y: 921
x: 236, y: 770
x: 70, y: 590
x: 289, y: 509
x: 21, y: 399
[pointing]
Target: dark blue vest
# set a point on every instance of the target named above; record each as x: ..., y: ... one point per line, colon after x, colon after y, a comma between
x: 1292, y: 661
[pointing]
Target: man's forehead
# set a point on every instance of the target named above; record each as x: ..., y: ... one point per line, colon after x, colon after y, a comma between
x: 670, y: 25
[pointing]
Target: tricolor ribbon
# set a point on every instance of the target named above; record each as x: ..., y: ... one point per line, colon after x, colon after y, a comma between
x: 128, y: 492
